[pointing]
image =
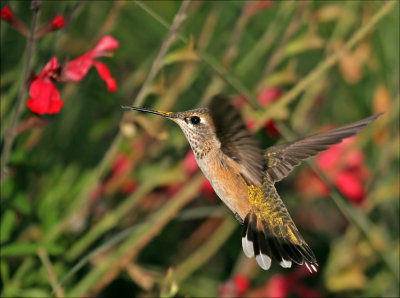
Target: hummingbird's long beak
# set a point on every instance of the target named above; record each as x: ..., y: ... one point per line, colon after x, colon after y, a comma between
x: 161, y: 113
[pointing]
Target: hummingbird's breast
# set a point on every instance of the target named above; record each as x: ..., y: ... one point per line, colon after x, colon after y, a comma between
x: 225, y: 178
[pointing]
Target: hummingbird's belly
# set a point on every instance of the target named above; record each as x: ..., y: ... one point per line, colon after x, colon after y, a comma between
x: 228, y: 185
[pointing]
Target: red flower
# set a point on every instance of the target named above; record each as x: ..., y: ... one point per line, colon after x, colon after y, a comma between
x: 266, y: 97
x: 271, y: 129
x: 77, y: 69
x: 57, y: 22
x: 350, y: 185
x: 288, y: 285
x: 269, y: 95
x: 45, y: 98
x: 6, y: 13
x: 189, y: 163
x: 345, y: 166
x: 241, y: 282
x: 235, y: 287
x: 253, y: 7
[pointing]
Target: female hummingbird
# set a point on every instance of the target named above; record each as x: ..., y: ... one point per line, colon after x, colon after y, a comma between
x: 243, y: 176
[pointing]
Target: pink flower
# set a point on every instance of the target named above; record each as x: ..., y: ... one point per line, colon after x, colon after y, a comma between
x: 77, y: 69
x: 44, y: 96
x: 344, y: 165
x: 269, y: 95
x: 266, y: 97
x: 350, y: 186
x: 189, y: 163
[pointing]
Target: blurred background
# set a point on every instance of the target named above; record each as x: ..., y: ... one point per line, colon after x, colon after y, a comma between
x: 101, y: 202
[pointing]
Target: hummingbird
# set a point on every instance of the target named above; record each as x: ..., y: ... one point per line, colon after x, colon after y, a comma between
x: 243, y: 176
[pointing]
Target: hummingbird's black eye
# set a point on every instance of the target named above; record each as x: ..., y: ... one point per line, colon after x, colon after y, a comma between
x: 195, y: 120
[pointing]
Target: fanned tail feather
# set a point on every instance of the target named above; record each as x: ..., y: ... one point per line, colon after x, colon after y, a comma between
x: 260, y: 241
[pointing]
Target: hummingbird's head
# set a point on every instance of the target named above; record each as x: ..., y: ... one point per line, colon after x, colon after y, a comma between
x: 197, y: 125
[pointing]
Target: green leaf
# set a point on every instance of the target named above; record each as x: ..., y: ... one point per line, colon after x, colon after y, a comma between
x: 187, y: 53
x: 25, y: 248
x: 5, y: 272
x: 7, y: 224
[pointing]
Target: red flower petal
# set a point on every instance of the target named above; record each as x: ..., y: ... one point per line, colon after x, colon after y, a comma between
x: 105, y: 74
x: 242, y: 283
x: 45, y: 98
x: 121, y: 165
x: 269, y: 95
x: 57, y: 22
x: 250, y: 124
x: 78, y: 68
x: 327, y: 160
x: 128, y: 186
x: 189, y: 163
x: 271, y: 128
x: 278, y: 286
x: 350, y: 186
x: 6, y: 13
x: 50, y: 69
x: 207, y: 189
x: 106, y: 44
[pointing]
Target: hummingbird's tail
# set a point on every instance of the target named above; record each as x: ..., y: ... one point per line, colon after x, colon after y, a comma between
x: 275, y: 240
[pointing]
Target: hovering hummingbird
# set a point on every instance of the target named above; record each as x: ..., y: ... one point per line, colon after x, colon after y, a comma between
x: 243, y: 176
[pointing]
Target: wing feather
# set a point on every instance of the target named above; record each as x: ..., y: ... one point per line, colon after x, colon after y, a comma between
x: 281, y: 159
x: 236, y: 141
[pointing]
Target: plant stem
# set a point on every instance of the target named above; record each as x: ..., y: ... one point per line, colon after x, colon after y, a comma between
x: 10, y: 133
x: 325, y: 65
x: 206, y: 250
x: 51, y: 274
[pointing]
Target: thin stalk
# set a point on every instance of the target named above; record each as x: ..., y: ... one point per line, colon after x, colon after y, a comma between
x: 231, y: 80
x: 51, y: 274
x: 11, y: 132
x: 138, y: 101
x: 206, y: 250
x: 325, y: 65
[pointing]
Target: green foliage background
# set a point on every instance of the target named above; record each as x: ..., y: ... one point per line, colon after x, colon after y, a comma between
x: 56, y: 240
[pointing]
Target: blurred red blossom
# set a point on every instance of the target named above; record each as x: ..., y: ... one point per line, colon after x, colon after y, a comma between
x: 6, y: 13
x: 55, y: 24
x: 253, y: 7
x: 9, y: 16
x: 279, y: 286
x: 58, y: 22
x: 344, y: 165
x: 44, y: 96
x: 271, y: 129
x: 190, y: 167
x: 269, y: 95
x: 235, y: 287
x: 77, y: 69
x: 117, y: 179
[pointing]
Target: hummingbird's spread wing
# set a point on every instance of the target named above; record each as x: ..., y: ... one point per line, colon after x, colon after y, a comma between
x: 281, y: 159
x: 236, y: 141
x: 269, y: 232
